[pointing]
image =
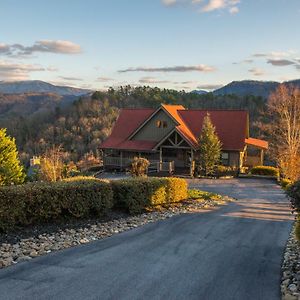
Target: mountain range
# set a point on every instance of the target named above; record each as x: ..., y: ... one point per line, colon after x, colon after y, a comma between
x: 251, y: 87
x: 38, y: 86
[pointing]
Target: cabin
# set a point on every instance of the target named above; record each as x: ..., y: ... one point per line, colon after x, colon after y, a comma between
x: 168, y: 138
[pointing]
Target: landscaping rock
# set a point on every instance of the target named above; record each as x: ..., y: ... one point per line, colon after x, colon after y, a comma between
x: 290, y: 282
x: 41, y: 243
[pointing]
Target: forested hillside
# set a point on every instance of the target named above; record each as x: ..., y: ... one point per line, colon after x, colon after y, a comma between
x: 80, y: 125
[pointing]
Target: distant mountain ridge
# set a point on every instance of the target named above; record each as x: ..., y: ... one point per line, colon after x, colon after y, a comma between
x: 252, y: 87
x: 38, y: 86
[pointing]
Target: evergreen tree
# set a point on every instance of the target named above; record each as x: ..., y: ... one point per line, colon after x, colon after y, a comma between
x: 209, y: 148
x: 11, y: 172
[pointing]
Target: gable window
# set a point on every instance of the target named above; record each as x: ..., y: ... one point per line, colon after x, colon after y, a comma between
x: 161, y: 124
x: 225, y: 158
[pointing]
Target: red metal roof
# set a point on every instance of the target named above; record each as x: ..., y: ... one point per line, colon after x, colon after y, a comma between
x: 257, y: 143
x: 231, y: 127
x: 174, y: 111
x: 128, y: 121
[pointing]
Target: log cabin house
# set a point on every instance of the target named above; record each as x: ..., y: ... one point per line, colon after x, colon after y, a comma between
x: 168, y: 138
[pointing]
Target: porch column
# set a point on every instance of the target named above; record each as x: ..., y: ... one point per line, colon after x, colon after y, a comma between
x: 192, y: 164
x: 261, y: 157
x: 160, y: 158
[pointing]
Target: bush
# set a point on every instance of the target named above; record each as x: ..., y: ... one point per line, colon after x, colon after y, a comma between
x: 297, y: 229
x: 139, y: 167
x: 285, y: 183
x: 226, y: 171
x: 139, y: 194
x: 265, y: 170
x: 293, y: 192
x: 42, y: 202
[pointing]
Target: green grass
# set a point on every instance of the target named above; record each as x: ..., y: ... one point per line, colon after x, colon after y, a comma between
x: 198, y: 194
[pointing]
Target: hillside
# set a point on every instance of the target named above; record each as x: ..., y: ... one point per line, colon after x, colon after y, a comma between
x: 38, y: 121
x: 38, y: 86
x: 30, y: 103
x: 251, y: 87
x: 248, y: 87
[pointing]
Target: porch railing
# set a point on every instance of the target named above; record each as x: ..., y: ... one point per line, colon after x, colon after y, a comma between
x: 155, y: 165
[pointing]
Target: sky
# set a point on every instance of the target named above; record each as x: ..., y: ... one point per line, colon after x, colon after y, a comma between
x: 178, y: 44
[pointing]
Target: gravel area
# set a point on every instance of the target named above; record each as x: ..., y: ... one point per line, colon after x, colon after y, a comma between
x: 290, y: 283
x: 32, y: 242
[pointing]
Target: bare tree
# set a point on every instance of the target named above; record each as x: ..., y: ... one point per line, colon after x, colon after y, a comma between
x: 52, y: 165
x: 284, y: 130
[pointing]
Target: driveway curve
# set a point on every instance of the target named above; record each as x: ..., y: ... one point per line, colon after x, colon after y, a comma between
x: 234, y: 252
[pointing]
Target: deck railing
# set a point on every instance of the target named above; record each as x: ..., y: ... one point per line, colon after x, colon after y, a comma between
x: 155, y: 165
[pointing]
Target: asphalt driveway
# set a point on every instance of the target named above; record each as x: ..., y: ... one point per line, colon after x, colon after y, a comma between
x: 234, y: 252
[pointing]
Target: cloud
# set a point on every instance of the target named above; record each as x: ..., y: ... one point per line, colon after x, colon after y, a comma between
x: 212, y: 5
x: 16, y: 71
x: 197, y: 68
x: 280, y: 62
x: 104, y: 79
x: 234, y: 10
x: 260, y: 55
x: 52, y: 69
x: 42, y: 46
x: 152, y: 80
x: 168, y: 2
x: 276, y: 54
x: 257, y: 71
x: 207, y: 5
x: 185, y: 82
x: 70, y: 78
x: 209, y: 86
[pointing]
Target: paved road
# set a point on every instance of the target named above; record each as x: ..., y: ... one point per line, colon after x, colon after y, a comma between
x: 234, y: 252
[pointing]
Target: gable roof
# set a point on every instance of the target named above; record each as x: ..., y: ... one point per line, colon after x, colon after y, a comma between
x: 128, y: 121
x: 174, y: 111
x: 231, y: 127
x: 257, y: 143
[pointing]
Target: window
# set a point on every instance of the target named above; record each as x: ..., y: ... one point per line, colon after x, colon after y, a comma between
x: 164, y: 124
x: 158, y: 123
x: 225, y: 158
x: 161, y: 124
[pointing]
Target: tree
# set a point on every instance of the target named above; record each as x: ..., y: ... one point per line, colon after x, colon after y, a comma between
x: 284, y: 130
x: 52, y: 165
x: 11, y: 171
x: 209, y: 148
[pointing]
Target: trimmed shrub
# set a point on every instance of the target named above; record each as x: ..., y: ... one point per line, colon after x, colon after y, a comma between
x: 293, y: 192
x: 226, y: 171
x: 285, y: 183
x: 139, y: 194
x: 265, y: 170
x: 42, y: 202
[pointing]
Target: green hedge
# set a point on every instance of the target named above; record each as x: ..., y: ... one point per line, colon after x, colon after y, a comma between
x: 265, y: 170
x: 82, y: 197
x: 138, y: 194
x: 42, y: 202
x: 293, y: 192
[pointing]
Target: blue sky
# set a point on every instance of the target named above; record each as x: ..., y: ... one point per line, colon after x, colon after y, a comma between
x: 181, y: 44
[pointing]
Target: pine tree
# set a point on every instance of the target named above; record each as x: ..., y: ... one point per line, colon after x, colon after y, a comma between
x: 209, y: 148
x: 11, y: 172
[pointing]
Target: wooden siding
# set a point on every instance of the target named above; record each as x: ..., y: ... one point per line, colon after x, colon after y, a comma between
x: 150, y: 132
